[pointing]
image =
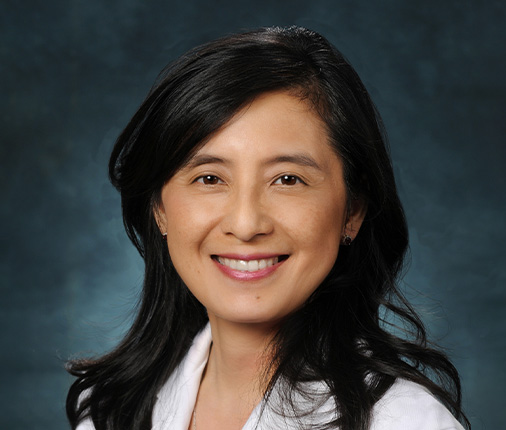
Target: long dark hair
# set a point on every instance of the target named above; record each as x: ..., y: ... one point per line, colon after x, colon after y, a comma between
x: 339, y: 336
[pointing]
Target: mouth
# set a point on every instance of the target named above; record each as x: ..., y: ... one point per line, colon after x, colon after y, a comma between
x: 249, y: 265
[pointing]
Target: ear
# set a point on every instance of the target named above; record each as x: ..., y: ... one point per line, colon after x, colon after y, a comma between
x: 356, y: 215
x: 160, y: 217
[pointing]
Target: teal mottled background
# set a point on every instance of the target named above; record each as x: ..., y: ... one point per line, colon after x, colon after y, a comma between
x: 73, y: 72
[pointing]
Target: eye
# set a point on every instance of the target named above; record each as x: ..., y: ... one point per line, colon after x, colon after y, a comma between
x: 208, y: 180
x: 288, y: 180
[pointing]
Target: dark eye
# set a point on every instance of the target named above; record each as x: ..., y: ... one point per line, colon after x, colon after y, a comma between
x: 288, y: 180
x: 208, y: 180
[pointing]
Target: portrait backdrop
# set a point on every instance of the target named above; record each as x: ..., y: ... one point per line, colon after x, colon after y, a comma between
x: 73, y: 72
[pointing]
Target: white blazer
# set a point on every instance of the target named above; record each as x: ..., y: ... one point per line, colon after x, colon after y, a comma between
x: 405, y: 406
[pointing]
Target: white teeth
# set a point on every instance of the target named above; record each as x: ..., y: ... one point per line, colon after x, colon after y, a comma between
x: 241, y: 265
x: 248, y: 266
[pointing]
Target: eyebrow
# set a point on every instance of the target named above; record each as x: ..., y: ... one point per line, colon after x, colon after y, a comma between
x: 201, y: 159
x: 299, y: 159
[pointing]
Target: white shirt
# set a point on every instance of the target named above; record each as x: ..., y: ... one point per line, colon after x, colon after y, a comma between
x: 405, y: 406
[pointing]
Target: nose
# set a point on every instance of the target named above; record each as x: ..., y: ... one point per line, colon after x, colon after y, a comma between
x: 246, y: 216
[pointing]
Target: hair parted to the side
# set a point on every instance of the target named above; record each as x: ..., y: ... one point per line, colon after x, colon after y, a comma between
x: 339, y: 336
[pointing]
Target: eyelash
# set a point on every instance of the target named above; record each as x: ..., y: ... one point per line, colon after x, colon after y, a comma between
x: 203, y: 178
x: 215, y: 180
x: 291, y: 178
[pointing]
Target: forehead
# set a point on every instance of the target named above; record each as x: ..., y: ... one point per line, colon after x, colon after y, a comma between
x: 273, y: 123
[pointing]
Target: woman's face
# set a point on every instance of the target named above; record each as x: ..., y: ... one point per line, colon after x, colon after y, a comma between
x: 254, y: 220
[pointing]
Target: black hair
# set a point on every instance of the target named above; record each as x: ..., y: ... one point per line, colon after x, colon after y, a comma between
x: 340, y: 335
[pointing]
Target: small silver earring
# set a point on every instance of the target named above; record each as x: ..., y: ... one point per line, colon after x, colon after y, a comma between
x: 164, y: 236
x: 346, y: 240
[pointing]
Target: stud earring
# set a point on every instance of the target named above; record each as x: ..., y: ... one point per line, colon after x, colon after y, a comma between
x: 346, y: 240
x: 164, y: 236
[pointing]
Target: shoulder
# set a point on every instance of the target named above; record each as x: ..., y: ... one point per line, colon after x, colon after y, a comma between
x: 86, y: 425
x: 176, y: 398
x: 409, y: 406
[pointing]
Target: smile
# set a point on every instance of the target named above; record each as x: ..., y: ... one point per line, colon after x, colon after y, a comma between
x: 248, y: 265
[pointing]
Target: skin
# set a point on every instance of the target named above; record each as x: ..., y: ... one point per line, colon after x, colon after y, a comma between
x: 267, y: 184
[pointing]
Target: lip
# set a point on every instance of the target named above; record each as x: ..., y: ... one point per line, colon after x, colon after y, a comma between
x: 249, y: 257
x: 244, y: 275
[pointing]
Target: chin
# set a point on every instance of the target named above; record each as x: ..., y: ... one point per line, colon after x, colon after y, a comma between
x: 250, y: 318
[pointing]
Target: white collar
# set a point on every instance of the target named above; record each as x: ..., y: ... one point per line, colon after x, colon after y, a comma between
x: 176, y: 399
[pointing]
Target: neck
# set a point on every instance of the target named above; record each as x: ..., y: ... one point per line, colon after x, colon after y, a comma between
x: 238, y: 359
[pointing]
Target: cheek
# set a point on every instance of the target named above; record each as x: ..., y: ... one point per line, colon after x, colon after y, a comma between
x: 179, y: 221
x: 188, y: 229
x: 184, y: 218
x: 182, y: 246
x: 320, y: 226
x: 320, y: 244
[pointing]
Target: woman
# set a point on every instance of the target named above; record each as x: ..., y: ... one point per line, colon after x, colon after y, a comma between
x: 256, y: 185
